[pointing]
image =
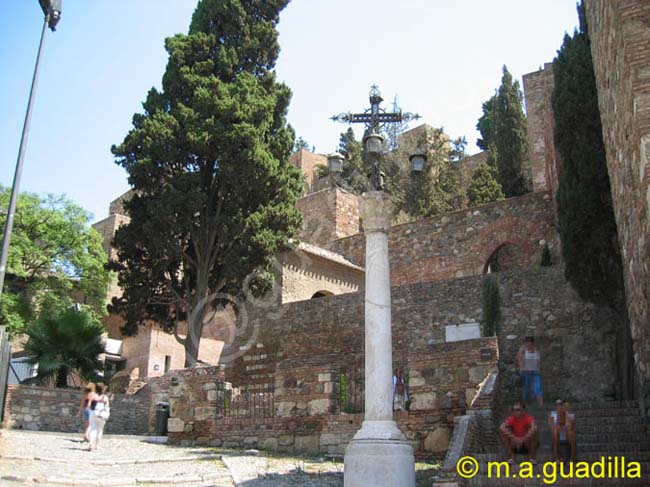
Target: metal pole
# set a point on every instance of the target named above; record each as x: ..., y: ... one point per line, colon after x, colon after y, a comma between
x: 19, y: 165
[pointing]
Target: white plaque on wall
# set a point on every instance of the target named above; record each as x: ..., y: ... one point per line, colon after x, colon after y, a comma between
x: 466, y: 331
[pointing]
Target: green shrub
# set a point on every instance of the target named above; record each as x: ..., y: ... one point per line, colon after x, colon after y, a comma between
x: 491, y: 306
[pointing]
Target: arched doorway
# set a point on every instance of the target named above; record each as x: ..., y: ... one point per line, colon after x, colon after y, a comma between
x: 322, y: 294
x: 506, y: 257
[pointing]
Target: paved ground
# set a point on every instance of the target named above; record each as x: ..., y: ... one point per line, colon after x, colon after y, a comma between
x: 59, y: 459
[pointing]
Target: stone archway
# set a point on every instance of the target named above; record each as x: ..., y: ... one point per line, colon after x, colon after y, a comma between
x: 506, y: 257
x: 509, y: 243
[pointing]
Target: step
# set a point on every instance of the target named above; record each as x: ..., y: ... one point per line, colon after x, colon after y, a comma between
x: 617, y: 448
x: 640, y: 456
x: 607, y: 413
x: 617, y: 437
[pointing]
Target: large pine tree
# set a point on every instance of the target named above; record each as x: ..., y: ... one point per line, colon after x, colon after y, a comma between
x: 208, y: 160
x: 504, y: 135
x: 585, y: 213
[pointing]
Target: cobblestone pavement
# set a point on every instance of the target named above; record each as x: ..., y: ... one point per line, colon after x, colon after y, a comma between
x: 60, y: 459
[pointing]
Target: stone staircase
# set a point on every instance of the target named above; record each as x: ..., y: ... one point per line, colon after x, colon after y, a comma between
x: 604, y: 429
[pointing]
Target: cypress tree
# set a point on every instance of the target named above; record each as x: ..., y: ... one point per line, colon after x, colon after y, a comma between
x: 587, y: 227
x: 504, y: 135
x: 208, y: 160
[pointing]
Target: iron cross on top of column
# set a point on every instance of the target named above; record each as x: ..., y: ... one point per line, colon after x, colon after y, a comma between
x: 375, y: 117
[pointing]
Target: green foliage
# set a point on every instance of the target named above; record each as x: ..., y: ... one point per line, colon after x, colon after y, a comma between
x: 546, y: 257
x: 484, y: 187
x: 303, y: 144
x: 215, y: 193
x: 54, y: 259
x: 585, y: 214
x: 65, y: 343
x: 439, y: 188
x: 490, y: 306
x: 504, y: 136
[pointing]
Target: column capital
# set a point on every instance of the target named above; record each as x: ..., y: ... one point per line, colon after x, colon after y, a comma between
x: 376, y: 210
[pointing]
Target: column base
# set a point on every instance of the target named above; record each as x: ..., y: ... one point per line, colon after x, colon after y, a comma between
x: 379, y: 463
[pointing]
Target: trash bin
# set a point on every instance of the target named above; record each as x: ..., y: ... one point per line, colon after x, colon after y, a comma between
x: 162, y: 415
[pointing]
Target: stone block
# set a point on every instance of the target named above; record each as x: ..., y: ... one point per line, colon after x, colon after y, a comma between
x: 423, y: 401
x: 175, y: 425
x: 461, y: 375
x: 270, y: 444
x: 212, y: 395
x: 438, y: 440
x: 416, y: 382
x: 285, y: 408
x: 285, y: 440
x: 470, y: 394
x: 325, y: 377
x: 250, y: 441
x: 477, y: 374
x: 319, y: 406
x: 307, y: 444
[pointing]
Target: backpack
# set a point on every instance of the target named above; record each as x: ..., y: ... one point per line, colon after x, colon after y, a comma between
x: 103, y: 411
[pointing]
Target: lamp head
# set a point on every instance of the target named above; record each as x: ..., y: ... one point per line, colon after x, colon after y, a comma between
x: 52, y: 10
x: 335, y: 162
x: 418, y: 159
x: 373, y: 143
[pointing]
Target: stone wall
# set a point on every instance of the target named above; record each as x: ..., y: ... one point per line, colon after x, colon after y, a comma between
x: 307, y: 270
x: 299, y: 349
x: 544, y: 159
x: 45, y: 409
x: 459, y: 244
x: 620, y: 46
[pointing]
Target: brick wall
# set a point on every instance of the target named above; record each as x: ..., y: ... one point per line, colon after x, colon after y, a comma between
x: 307, y: 161
x: 328, y: 214
x: 45, y: 409
x: 459, y: 244
x: 620, y: 46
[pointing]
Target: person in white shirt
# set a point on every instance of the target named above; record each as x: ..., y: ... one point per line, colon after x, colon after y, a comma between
x: 529, y: 365
x: 561, y: 423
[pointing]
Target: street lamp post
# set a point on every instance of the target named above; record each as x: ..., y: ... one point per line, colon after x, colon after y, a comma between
x: 52, y: 15
x: 379, y: 454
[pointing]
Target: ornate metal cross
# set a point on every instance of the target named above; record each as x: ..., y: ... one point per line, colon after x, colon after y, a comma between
x: 375, y: 118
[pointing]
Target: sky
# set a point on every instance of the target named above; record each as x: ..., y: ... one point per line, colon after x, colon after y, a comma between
x: 441, y: 59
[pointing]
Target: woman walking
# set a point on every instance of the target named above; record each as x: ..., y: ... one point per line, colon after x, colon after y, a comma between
x: 99, y: 413
x: 84, y: 407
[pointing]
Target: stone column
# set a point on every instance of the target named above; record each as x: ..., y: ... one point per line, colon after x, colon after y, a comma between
x: 379, y: 454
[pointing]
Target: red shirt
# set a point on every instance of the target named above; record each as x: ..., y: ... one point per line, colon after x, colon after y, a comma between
x: 519, y: 425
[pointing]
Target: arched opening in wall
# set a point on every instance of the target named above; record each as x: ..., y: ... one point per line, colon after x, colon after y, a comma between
x: 506, y: 257
x: 322, y: 294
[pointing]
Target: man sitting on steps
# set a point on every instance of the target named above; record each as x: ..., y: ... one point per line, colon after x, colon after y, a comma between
x: 519, y: 433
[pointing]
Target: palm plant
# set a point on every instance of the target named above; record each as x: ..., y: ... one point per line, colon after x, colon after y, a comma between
x: 65, y: 343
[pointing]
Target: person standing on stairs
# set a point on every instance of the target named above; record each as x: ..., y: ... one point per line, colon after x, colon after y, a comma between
x: 529, y: 364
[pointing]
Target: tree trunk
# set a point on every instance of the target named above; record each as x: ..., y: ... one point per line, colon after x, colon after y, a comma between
x: 194, y: 332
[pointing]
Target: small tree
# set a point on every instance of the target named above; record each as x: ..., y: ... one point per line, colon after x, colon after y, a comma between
x: 491, y: 306
x: 484, y: 187
x: 53, y: 255
x: 303, y: 144
x: 546, y: 257
x: 63, y: 344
